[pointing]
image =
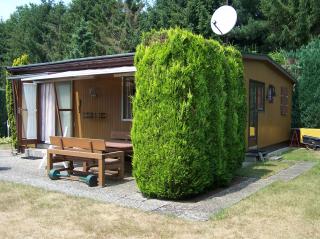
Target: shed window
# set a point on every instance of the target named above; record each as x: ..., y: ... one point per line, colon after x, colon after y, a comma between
x: 260, y: 97
x: 284, y: 105
x: 128, y: 91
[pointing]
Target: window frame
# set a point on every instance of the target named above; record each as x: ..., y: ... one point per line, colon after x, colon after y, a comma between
x: 261, y: 85
x: 59, y: 129
x: 284, y: 104
x: 123, y: 79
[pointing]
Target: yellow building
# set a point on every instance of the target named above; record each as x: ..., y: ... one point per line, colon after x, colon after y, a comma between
x: 269, y: 91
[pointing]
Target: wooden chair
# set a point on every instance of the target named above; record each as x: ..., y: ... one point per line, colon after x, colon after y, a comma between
x: 87, y: 151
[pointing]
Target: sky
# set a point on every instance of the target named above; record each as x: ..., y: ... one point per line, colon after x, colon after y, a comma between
x: 7, y: 7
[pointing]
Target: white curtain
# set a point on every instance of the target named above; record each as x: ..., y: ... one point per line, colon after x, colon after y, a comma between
x: 47, y: 112
x: 30, y: 116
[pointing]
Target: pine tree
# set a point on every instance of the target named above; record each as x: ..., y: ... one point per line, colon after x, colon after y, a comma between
x: 82, y: 42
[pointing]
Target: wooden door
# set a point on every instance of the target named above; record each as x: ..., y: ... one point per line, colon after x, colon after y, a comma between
x: 256, y: 104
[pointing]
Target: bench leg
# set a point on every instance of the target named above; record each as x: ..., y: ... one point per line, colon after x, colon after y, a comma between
x: 49, y: 162
x: 85, y: 166
x: 121, y: 168
x: 70, y: 167
x: 101, y: 174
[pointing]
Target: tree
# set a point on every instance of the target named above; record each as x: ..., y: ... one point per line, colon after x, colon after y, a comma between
x: 37, y: 30
x: 108, y: 22
x: 82, y: 42
x: 309, y: 85
x: 3, y: 52
x: 132, y: 30
x: 291, y: 23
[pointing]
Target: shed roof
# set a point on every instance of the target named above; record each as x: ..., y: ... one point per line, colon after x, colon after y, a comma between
x: 269, y: 60
x: 109, y: 61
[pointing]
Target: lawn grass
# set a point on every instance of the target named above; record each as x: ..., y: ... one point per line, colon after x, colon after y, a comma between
x: 302, y: 154
x: 281, y: 210
x: 263, y: 169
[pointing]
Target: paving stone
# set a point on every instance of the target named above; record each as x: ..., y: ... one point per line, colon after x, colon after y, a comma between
x: 136, y: 196
x: 153, y: 204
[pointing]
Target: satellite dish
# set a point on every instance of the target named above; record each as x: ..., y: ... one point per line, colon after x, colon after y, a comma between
x: 223, y: 20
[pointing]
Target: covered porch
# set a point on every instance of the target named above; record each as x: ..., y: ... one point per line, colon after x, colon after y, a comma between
x: 84, y: 98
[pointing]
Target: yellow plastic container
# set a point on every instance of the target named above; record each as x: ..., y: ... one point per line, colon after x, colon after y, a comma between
x: 309, y: 132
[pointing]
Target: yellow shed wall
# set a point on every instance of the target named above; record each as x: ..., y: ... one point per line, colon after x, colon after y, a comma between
x: 273, y: 128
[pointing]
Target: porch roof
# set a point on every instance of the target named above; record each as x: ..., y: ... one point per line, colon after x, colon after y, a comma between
x: 81, y: 74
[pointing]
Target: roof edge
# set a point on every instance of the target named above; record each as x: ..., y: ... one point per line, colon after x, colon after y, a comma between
x: 266, y: 58
x: 76, y: 60
x: 45, y: 67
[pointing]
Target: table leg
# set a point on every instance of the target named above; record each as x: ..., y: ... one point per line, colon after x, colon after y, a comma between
x: 85, y: 166
x: 71, y: 167
x: 49, y: 162
x: 101, y: 174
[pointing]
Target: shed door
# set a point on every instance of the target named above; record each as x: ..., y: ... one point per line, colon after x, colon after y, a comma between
x: 256, y: 104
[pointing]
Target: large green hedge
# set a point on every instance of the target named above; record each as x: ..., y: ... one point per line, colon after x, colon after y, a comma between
x: 189, y: 114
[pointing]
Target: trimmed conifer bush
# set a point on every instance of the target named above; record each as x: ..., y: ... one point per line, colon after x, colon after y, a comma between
x: 235, y: 120
x: 180, y: 109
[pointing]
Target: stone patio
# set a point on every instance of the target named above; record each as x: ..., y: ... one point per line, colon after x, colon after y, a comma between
x: 125, y: 193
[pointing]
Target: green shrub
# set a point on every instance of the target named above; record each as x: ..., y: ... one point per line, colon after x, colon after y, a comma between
x: 23, y: 60
x: 180, y: 111
x: 235, y: 117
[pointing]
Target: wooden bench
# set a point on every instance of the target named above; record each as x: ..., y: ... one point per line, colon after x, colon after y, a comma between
x: 88, y: 151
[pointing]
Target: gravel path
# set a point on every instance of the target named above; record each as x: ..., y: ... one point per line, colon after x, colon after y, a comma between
x: 125, y: 192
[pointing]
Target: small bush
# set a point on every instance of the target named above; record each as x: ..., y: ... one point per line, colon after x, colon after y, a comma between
x: 23, y: 60
x: 181, y: 114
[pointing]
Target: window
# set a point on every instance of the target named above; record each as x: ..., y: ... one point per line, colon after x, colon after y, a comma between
x: 284, y: 104
x: 128, y: 91
x: 64, y: 104
x: 257, y: 95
